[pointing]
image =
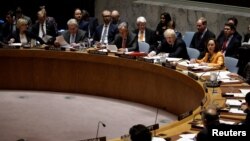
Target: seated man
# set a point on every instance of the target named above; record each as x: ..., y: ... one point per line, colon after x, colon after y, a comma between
x: 176, y: 47
x: 73, y: 35
x: 125, y: 40
x: 246, y: 108
x: 210, y: 118
x: 45, y: 27
x: 145, y: 34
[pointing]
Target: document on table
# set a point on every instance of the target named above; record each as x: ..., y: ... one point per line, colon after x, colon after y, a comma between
x: 236, y: 94
x: 187, y: 137
x: 236, y: 111
x: 227, y: 122
x: 234, y: 102
x: 245, y: 91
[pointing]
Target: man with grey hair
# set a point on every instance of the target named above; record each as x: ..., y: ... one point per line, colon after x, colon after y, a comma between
x: 175, y: 47
x: 201, y: 36
x: 145, y: 34
x: 73, y: 35
x: 125, y: 40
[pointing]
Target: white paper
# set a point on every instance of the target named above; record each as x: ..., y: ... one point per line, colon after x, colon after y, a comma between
x: 227, y: 122
x: 173, y: 59
x: 236, y: 111
x: 245, y: 91
x: 236, y: 94
x: 188, y: 136
x: 112, y: 48
x: 229, y: 80
x: 15, y: 44
x: 234, y: 102
x: 184, y: 139
x: 157, y: 139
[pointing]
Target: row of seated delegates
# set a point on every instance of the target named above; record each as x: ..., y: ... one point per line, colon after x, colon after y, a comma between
x: 201, y: 36
x: 140, y: 132
x: 85, y: 22
x: 145, y: 34
x: 125, y: 41
x: 9, y: 26
x: 73, y: 35
x: 213, y: 56
x: 229, y: 42
x: 105, y: 33
x: 22, y: 34
x: 176, y: 47
x: 45, y: 27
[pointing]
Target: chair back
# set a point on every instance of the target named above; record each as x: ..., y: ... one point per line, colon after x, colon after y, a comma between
x: 188, y: 36
x: 231, y: 64
x: 143, y: 47
x: 193, y: 53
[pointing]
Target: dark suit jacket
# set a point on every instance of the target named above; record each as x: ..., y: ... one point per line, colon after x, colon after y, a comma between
x: 29, y: 36
x: 200, y: 44
x: 51, y: 27
x: 113, y: 30
x: 6, y: 31
x: 80, y: 36
x: 150, y: 38
x: 232, y: 48
x: 246, y: 37
x: 178, y: 50
x: 131, y: 43
x: 236, y: 34
x: 89, y: 25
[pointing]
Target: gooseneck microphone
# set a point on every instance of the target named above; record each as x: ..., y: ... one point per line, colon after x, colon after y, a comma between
x: 98, y: 125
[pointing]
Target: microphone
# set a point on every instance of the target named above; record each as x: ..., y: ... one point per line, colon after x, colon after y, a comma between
x: 214, y: 82
x: 200, y: 78
x: 155, y: 125
x: 98, y: 125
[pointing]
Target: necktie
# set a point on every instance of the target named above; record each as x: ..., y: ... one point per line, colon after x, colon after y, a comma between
x: 104, y: 34
x: 224, y: 45
x: 124, y: 40
x: 72, y: 38
x: 43, y: 32
x: 141, y: 36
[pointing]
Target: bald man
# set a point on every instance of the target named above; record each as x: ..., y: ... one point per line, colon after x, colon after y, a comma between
x: 115, y: 15
x: 210, y: 118
x: 105, y: 33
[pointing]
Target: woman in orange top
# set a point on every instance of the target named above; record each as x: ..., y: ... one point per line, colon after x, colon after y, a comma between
x: 213, y: 56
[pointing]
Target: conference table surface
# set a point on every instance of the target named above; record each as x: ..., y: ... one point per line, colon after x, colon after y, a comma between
x: 107, y: 76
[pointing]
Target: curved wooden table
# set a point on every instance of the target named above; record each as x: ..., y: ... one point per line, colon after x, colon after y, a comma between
x: 107, y: 76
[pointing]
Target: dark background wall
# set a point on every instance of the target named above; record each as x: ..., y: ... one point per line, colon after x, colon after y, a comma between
x: 61, y: 11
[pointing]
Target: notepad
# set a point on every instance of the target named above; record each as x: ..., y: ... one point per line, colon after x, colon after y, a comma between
x: 236, y: 111
x: 234, y: 102
x: 245, y: 91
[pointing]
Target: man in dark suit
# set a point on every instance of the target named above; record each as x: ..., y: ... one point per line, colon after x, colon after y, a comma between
x: 229, y: 43
x: 233, y: 21
x: 201, y: 36
x: 89, y: 24
x: 45, y: 27
x: 246, y: 108
x: 210, y: 119
x: 73, y: 35
x: 145, y: 34
x: 106, y: 32
x: 125, y: 41
x: 176, y: 47
x: 9, y: 26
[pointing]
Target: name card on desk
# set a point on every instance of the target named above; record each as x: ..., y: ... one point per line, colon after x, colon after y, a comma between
x: 96, y: 139
x: 168, y: 64
x: 184, y: 115
x: 153, y: 127
x: 97, y: 52
x: 54, y: 48
x: 143, y: 59
x: 127, y: 56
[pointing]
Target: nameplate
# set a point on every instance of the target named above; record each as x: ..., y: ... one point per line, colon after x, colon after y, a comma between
x: 54, y: 48
x: 184, y: 115
x: 169, y: 65
x: 193, y: 75
x: 127, y: 56
x: 11, y: 47
x: 145, y: 60
x: 96, y: 139
x: 97, y: 52
x: 153, y: 127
